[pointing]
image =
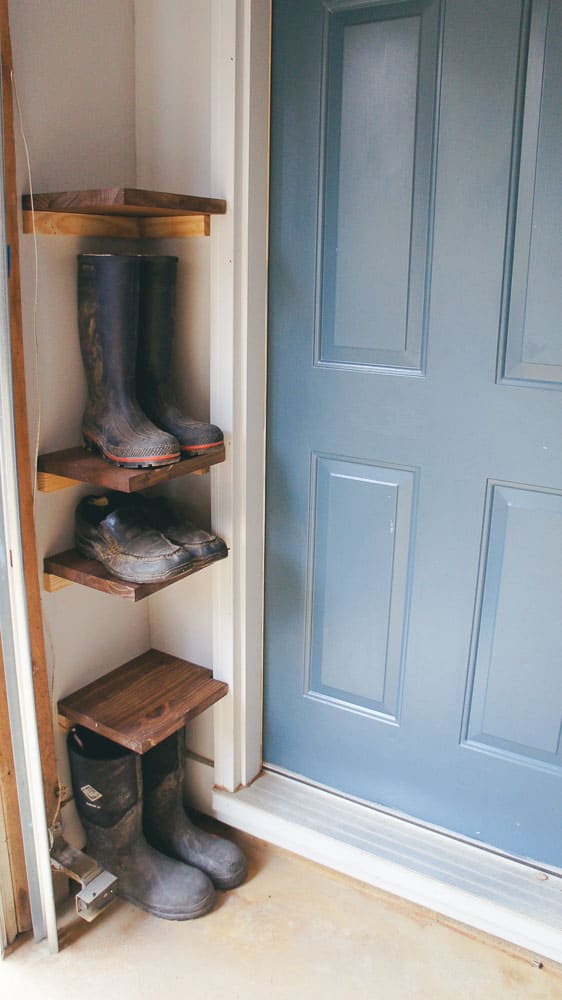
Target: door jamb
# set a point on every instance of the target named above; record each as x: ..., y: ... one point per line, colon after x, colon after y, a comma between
x: 240, y: 63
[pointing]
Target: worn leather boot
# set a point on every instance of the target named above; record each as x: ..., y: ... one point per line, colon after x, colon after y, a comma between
x: 174, y: 524
x: 167, y: 827
x: 116, y: 532
x: 108, y: 791
x: 114, y: 424
x: 154, y: 362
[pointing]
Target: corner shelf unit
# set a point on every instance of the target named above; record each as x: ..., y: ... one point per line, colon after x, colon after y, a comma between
x: 143, y: 701
x: 146, y: 699
x: 129, y: 213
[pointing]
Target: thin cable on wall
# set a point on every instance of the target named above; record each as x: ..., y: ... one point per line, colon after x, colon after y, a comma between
x: 36, y: 289
x: 38, y: 395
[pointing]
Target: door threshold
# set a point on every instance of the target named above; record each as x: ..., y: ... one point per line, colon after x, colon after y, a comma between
x: 498, y: 895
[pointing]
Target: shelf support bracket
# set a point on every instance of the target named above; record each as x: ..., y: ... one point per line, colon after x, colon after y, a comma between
x: 52, y: 583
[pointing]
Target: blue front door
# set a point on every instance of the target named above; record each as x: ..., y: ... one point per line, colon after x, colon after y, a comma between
x: 414, y: 492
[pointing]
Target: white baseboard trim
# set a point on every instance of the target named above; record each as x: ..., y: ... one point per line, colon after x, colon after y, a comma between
x: 494, y: 894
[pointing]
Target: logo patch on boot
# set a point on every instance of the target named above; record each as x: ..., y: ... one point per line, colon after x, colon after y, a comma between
x: 91, y: 793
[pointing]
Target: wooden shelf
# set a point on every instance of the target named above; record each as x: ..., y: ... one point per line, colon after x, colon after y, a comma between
x: 119, y: 212
x: 75, y: 568
x: 60, y: 469
x: 143, y: 701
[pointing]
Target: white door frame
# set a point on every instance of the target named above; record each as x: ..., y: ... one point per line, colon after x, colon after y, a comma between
x: 239, y: 173
x: 305, y: 820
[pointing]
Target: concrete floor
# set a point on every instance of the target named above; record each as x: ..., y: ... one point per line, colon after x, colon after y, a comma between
x: 293, y: 930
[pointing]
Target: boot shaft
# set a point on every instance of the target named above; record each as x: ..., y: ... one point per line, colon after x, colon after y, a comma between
x: 157, y: 316
x: 165, y: 759
x: 107, y: 781
x: 108, y: 312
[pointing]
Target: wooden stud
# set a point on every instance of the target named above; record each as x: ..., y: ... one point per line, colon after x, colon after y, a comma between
x: 34, y: 613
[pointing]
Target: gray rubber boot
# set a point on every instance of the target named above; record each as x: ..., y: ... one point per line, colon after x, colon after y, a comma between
x: 168, y: 828
x: 155, y: 369
x: 107, y: 785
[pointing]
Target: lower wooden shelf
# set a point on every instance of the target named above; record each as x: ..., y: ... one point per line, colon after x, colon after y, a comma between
x: 143, y: 701
x: 75, y: 568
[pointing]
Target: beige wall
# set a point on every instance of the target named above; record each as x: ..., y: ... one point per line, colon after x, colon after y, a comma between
x: 113, y: 93
x: 173, y: 101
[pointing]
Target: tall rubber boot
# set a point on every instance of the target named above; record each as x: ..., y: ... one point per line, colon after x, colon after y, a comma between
x: 114, y: 424
x: 107, y: 784
x: 167, y: 827
x: 154, y: 364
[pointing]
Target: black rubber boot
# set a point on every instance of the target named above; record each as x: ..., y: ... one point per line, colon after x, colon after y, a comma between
x: 167, y: 827
x: 108, y: 791
x: 114, y: 424
x: 154, y: 362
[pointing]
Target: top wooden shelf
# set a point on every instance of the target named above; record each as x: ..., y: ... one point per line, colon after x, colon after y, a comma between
x: 119, y: 212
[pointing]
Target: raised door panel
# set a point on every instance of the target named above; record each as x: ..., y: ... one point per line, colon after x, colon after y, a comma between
x: 374, y: 234
x: 358, y: 583
x: 533, y: 346
x: 516, y: 697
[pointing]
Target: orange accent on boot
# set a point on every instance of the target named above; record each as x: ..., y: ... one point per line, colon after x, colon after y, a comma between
x: 201, y: 447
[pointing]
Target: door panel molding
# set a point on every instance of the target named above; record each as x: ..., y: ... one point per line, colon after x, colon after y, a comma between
x: 375, y: 225
x: 530, y: 352
x: 369, y: 555
x: 517, y: 629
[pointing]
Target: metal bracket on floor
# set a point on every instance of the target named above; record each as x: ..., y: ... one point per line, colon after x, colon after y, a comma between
x: 99, y: 886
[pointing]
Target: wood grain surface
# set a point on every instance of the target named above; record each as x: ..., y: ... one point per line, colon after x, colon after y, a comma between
x: 143, y: 701
x: 124, y: 201
x: 70, y: 565
x: 86, y: 467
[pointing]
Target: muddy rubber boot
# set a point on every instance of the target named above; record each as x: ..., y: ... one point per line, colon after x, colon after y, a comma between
x: 114, y: 424
x: 107, y: 784
x: 167, y: 827
x: 154, y: 362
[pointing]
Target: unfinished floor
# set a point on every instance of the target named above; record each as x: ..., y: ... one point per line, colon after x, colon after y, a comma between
x: 293, y: 930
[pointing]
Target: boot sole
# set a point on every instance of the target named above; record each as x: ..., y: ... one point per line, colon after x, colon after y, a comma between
x: 148, y: 462
x: 159, y: 911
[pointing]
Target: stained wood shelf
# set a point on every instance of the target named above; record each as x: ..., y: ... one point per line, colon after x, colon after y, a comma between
x: 119, y: 212
x: 72, y: 567
x: 143, y: 701
x: 59, y: 469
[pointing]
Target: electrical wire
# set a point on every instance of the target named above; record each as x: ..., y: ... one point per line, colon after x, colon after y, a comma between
x: 36, y: 283
x: 59, y: 790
